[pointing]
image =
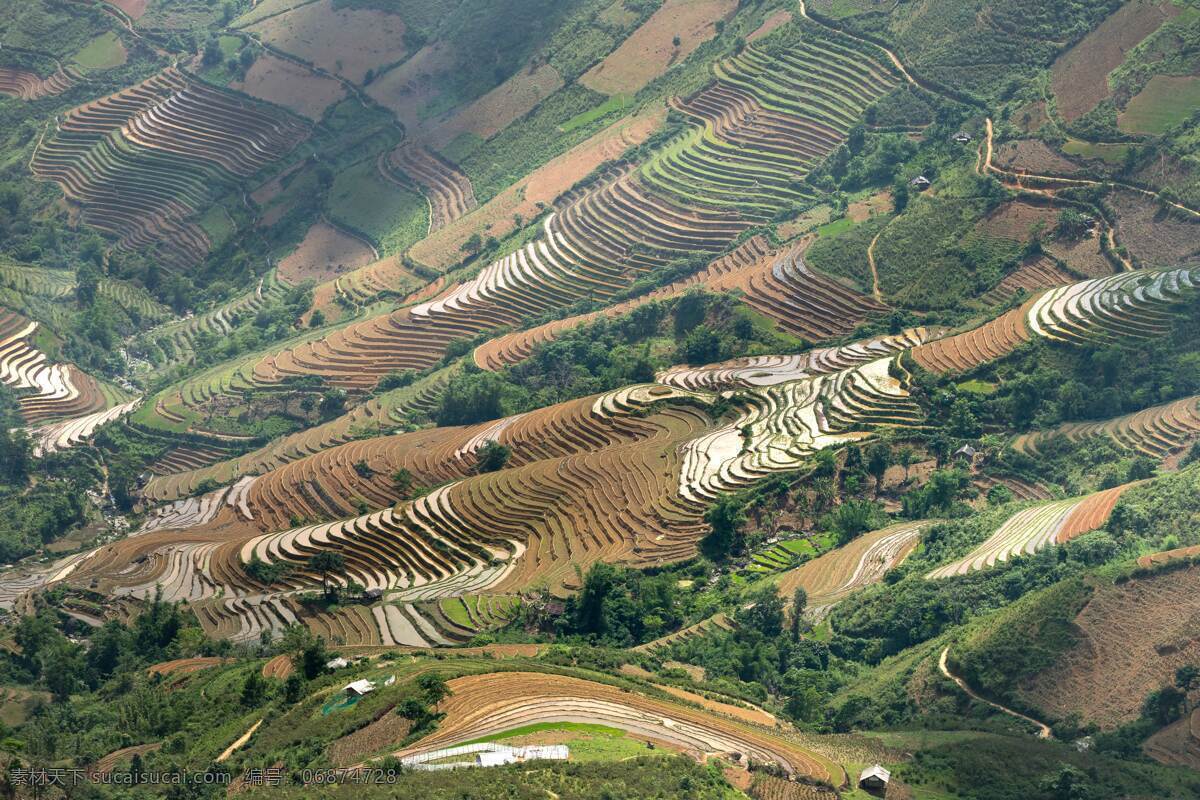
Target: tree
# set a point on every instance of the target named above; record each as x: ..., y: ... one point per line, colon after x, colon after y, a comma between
x: 433, y: 688
x: 962, y: 422
x: 879, y: 458
x: 293, y: 688
x: 87, y: 282
x: 726, y: 519
x: 1141, y: 468
x: 333, y: 402
x: 597, y: 586
x: 852, y: 519
x: 253, y: 690
x: 492, y: 457
x: 799, y: 604
x: 763, y: 612
x: 326, y: 562
x: 403, y: 481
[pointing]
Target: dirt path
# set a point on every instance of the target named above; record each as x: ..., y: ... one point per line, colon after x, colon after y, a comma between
x: 984, y: 165
x: 1043, y: 729
x: 990, y: 167
x: 874, y: 271
x: 895, y: 61
x: 241, y: 740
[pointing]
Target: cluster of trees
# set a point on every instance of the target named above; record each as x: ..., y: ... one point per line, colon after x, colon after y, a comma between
x: 697, y: 328
x: 623, y: 607
x: 63, y: 666
x: 1042, y: 384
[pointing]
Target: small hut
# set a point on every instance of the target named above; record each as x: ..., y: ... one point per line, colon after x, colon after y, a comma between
x: 874, y: 779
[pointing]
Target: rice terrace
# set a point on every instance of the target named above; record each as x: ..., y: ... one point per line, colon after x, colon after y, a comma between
x: 596, y: 399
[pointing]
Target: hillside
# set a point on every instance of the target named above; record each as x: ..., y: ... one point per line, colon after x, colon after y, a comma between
x: 599, y: 398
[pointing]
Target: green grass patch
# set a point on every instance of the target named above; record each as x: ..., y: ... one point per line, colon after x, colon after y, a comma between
x: 586, y: 741
x: 1166, y: 102
x: 1108, y: 152
x: 976, y: 386
x: 217, y: 223
x: 461, y: 146
x: 456, y: 612
x: 835, y: 228
x: 618, y: 102
x: 392, y: 216
x: 103, y: 52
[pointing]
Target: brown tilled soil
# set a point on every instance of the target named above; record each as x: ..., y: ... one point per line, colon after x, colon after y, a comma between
x: 497, y: 109
x: 278, y: 667
x: 1178, y: 744
x: 861, y: 210
x: 775, y: 20
x: 443, y: 248
x: 132, y: 8
x: 1081, y: 255
x: 650, y: 50
x: 346, y: 41
x: 325, y: 253
x: 696, y: 673
x: 1030, y: 117
x: 1152, y: 235
x: 1017, y: 221
x: 1032, y: 156
x: 388, y: 730
x: 1080, y: 76
x: 184, y: 666
x: 291, y: 86
x: 410, y: 87
x: 755, y: 715
x: 107, y: 763
x: 1133, y: 637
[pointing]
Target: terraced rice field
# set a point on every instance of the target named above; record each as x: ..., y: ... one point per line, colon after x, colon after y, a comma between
x: 483, y: 705
x: 1132, y: 304
x: 1157, y: 431
x: 175, y: 341
x: 26, y: 85
x: 762, y: 124
x: 715, y: 622
x: 784, y: 425
x: 525, y: 198
x: 46, y: 391
x: 994, y: 339
x: 1031, y: 277
x: 839, y: 573
x: 1168, y: 555
x: 370, y: 418
x: 142, y: 161
x: 448, y: 190
x: 1036, y: 527
x: 763, y: 371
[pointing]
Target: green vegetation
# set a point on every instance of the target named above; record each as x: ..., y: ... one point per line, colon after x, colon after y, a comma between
x: 390, y: 215
x: 697, y: 328
x: 103, y: 52
x: 1162, y: 105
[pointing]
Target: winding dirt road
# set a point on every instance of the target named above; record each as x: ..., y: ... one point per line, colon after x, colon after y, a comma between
x: 1043, y: 729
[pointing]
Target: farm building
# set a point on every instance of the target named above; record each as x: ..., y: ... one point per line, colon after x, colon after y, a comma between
x: 337, y: 663
x: 920, y: 183
x: 359, y: 687
x: 874, y: 779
